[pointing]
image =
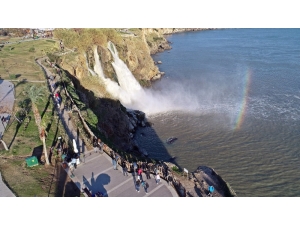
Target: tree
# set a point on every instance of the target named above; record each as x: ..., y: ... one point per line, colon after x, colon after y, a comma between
x: 35, y: 94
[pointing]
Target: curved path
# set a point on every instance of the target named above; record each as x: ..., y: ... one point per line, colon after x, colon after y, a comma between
x: 96, y: 170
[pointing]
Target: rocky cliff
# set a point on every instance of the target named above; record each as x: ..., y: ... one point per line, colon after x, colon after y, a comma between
x: 134, y: 47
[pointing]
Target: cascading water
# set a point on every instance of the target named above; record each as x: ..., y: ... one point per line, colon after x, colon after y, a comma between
x: 133, y: 96
x: 112, y: 87
x: 97, y: 67
x: 148, y: 100
x: 126, y: 80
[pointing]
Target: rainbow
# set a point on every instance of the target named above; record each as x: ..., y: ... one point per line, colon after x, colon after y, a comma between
x: 242, y: 110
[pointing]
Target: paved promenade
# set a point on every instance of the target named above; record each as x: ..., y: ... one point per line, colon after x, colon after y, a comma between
x: 97, y: 174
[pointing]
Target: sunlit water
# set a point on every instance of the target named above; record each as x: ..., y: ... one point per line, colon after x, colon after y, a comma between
x: 245, y: 87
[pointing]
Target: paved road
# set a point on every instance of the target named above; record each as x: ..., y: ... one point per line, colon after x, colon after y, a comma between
x: 97, y: 174
x: 7, y: 98
x: 4, y: 190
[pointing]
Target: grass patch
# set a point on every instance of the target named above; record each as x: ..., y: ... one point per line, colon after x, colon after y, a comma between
x: 21, y: 59
x: 38, y: 180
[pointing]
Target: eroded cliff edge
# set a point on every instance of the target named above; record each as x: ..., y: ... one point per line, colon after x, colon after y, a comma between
x: 135, y: 47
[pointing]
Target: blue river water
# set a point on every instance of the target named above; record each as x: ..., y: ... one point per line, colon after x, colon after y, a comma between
x: 244, y: 84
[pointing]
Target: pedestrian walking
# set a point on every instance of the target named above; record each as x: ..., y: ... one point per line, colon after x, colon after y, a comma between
x: 157, y: 178
x: 145, y: 185
x: 137, y: 185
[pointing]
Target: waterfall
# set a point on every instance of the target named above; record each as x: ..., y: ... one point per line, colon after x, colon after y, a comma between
x: 111, y: 86
x: 132, y: 95
x: 97, y: 67
x: 126, y: 80
x: 150, y: 101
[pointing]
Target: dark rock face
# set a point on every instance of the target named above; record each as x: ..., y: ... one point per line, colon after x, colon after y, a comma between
x: 206, y: 177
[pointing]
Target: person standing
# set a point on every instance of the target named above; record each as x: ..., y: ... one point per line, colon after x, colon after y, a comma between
x: 116, y: 159
x: 114, y: 162
x: 157, y: 178
x: 137, y: 185
x: 100, y: 145
x: 134, y: 168
x: 163, y: 171
x: 140, y: 171
x: 124, y: 167
x: 148, y: 173
x: 166, y: 172
x: 113, y: 158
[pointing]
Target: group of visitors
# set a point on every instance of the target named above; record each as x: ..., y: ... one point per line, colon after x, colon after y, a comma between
x: 138, y: 170
x: 142, y: 183
x: 97, y: 144
x: 58, y: 98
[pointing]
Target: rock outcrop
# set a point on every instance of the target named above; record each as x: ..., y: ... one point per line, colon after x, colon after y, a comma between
x: 134, y: 47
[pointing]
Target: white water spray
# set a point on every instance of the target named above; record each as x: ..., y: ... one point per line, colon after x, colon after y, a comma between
x: 126, y: 80
x: 111, y: 86
x: 148, y: 100
x: 97, y: 67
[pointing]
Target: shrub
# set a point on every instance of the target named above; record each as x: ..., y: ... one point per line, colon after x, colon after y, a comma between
x: 176, y: 169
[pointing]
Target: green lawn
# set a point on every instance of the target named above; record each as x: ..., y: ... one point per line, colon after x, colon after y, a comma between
x: 19, y: 58
x: 17, y: 62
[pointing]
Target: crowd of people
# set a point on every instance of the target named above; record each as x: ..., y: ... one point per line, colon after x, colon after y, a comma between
x: 140, y: 169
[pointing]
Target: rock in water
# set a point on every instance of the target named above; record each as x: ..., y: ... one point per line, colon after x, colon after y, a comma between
x: 171, y: 140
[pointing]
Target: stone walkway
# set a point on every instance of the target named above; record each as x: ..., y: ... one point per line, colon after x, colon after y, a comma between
x: 96, y: 171
x: 97, y: 174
